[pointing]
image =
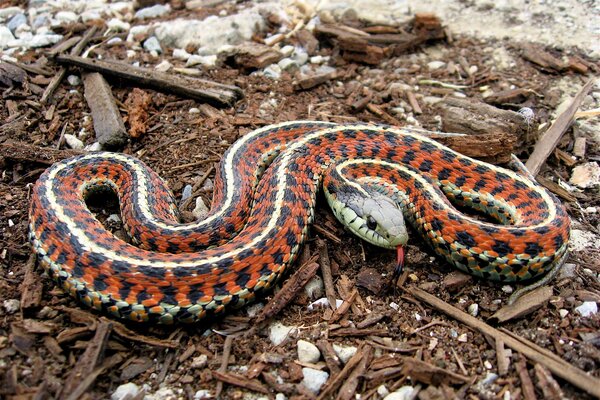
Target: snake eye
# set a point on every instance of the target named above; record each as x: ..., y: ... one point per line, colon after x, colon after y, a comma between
x: 371, y: 223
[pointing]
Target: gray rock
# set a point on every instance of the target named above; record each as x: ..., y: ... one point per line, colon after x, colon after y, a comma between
x: 66, y: 16
x: 73, y: 142
x: 6, y: 37
x: 12, y: 305
x: 152, y: 44
x: 308, y: 352
x: 314, y: 379
x: 125, y: 391
x: 587, y: 309
x: 404, y: 393
x: 16, y: 21
x: 157, y: 10
x: 43, y: 40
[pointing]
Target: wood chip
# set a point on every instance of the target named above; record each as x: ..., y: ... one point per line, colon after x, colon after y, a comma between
x: 526, y: 383
x: 325, y: 264
x: 348, y: 389
x: 524, y: 305
x: 31, y: 288
x: 502, y: 357
x: 254, y: 55
x: 547, y: 383
x: 108, y: 124
x: 551, y: 137
x: 311, y: 81
x: 432, y: 375
x: 289, y: 290
x: 121, y: 330
x: 240, y: 381
x: 370, y: 279
x: 542, y: 58
x: 336, y: 381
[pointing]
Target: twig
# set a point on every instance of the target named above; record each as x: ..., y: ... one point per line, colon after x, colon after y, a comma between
x: 51, y: 88
x: 551, y: 137
x: 526, y: 384
x: 89, y: 379
x: 31, y: 288
x: 561, y: 368
x: 332, y: 385
x: 238, y: 380
x: 326, y: 272
x: 211, y: 92
x: 348, y: 389
x: 224, y: 363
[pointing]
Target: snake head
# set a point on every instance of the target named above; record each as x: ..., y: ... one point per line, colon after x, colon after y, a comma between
x: 370, y: 215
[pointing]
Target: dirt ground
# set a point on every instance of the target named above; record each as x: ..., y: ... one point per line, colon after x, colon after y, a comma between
x: 41, y: 346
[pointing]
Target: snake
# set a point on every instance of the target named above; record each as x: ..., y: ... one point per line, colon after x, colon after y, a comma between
x: 374, y: 177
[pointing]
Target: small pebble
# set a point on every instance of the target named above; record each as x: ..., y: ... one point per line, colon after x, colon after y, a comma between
x: 113, y: 219
x: 280, y: 396
x: 6, y: 36
x: 181, y: 54
x: 200, y: 361
x: 314, y: 379
x: 152, y: 44
x: 278, y: 332
x: 287, y: 64
x: 203, y: 394
x: 344, y: 353
x: 395, y: 306
x: 12, y: 305
x: 404, y: 393
x: 16, y: 21
x: 314, y: 288
x: 163, y: 66
x: 563, y: 313
x: 253, y: 309
x: 308, y: 352
x: 487, y: 364
x: 382, y: 390
x: 73, y: 80
x: 587, y: 309
x: 157, y: 10
x: 463, y: 338
x: 201, y: 209
x: 433, y: 65
x: 507, y: 289
x: 116, y: 25
x: 73, y: 142
x: 66, y: 16
x: 125, y: 391
x: 208, y: 61
x: 186, y: 193
x: 473, y: 309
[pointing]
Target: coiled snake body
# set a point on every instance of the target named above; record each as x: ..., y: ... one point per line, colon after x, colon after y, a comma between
x: 260, y: 217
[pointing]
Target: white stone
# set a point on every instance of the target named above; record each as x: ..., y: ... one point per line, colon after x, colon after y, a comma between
x: 280, y: 396
x: 114, y: 219
x: 404, y: 393
x: 16, y: 21
x: 287, y: 50
x: 582, y: 240
x: 163, y: 66
x: 273, y: 71
x: 253, y: 309
x: 125, y: 391
x: 6, y: 36
x: 382, y: 390
x: 507, y: 289
x: 563, y: 313
x: 278, y: 332
x: 344, y: 353
x: 203, y: 394
x: 201, y: 209
x: 8, y: 12
x: 433, y: 65
x: 73, y: 142
x: 317, y: 59
x: 12, y: 305
x: 74, y: 80
x: 94, y: 147
x: 314, y: 379
x: 116, y: 25
x: 473, y: 309
x: 152, y: 44
x: 463, y: 338
x: 586, y: 175
x: 323, y: 302
x: 66, y: 16
x: 287, y: 64
x: 208, y: 61
x: 157, y: 10
x: 181, y: 54
x: 137, y: 32
x: 200, y: 361
x: 90, y: 15
x: 300, y: 56
x: 587, y: 309
x: 307, y: 352
x: 314, y: 288
x: 213, y: 32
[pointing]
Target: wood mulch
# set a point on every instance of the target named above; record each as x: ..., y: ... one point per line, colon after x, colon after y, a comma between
x: 421, y: 334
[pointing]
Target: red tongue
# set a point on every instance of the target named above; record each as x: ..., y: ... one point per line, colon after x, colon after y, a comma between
x: 400, y: 264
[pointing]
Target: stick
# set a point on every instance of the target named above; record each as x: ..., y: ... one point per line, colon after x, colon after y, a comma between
x: 551, y: 137
x: 199, y: 89
x: 561, y: 368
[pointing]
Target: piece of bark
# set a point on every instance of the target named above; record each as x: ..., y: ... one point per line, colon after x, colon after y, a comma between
x: 31, y: 288
x: 525, y: 305
x: 138, y: 102
x: 310, y: 81
x: 308, y: 41
x: 547, y: 384
x: 92, y: 356
x: 511, y: 96
x: 370, y: 279
x: 254, y: 55
x: 551, y: 137
x: 554, y: 363
x: 325, y: 264
x: 429, y: 374
x: 240, y: 381
x: 289, y: 290
x: 108, y: 124
x: 502, y: 357
x: 456, y: 280
x: 542, y: 58
x: 526, y: 383
x: 194, y: 88
x: 579, y: 146
x: 336, y: 381
x: 475, y: 118
x: 86, y: 382
x: 492, y: 148
x: 348, y: 389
